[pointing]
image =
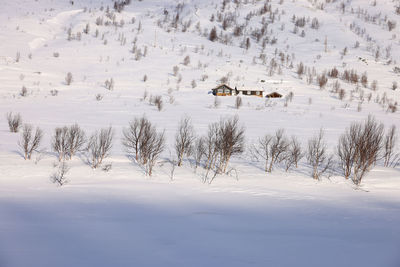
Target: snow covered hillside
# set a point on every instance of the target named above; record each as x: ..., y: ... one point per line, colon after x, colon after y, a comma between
x: 214, y: 201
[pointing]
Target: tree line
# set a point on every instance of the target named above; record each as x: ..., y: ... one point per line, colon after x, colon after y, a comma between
x: 359, y: 148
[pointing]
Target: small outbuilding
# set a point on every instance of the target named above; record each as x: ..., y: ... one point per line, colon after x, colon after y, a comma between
x: 274, y: 95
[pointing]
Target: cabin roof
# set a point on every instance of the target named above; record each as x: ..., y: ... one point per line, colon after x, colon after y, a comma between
x: 253, y: 90
x: 274, y: 94
x: 223, y: 86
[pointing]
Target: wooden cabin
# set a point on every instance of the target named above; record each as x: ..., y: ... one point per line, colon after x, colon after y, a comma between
x: 223, y: 90
x: 273, y: 95
x: 251, y: 92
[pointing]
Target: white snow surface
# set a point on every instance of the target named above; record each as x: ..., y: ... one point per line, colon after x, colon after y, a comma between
x: 124, y: 218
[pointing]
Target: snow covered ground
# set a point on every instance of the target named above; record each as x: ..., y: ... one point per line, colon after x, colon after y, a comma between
x: 124, y: 218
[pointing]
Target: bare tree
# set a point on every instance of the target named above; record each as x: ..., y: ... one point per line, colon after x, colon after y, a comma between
x: 158, y: 102
x: 59, y: 176
x: 346, y: 148
x: 389, y: 145
x: 278, y: 147
x: 238, y: 102
x: 317, y: 156
x: 261, y: 149
x: 60, y: 143
x: 368, y: 147
x: 186, y: 61
x: 76, y: 139
x: 99, y: 146
x: 142, y: 140
x: 272, y: 149
x: 359, y: 148
x: 29, y: 142
x: 213, y: 34
x: 184, y: 139
x: 155, y: 147
x: 198, y: 151
x: 211, y: 148
x: 14, y: 121
x: 68, y: 78
x: 293, y: 154
x: 133, y: 135
x: 231, y: 140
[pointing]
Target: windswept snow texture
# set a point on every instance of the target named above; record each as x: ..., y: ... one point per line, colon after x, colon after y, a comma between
x: 248, y: 218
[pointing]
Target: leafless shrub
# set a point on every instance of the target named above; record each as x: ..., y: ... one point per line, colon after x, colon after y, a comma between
x: 59, y: 176
x: 87, y: 29
x: 293, y: 154
x: 76, y: 139
x: 300, y: 22
x: 364, y: 79
x: 99, y: 146
x: 29, y: 142
x: 24, y: 91
x: 394, y: 85
x: 68, y: 78
x: 134, y: 134
x: 175, y: 70
x: 56, y: 54
x: 142, y: 140
x: 271, y: 148
x: 333, y: 73
x: 109, y: 84
x: 315, y: 24
x: 224, y: 79
x: 54, y: 92
x: 60, y: 143
x: 374, y: 85
x: 204, y: 77
x: 317, y: 156
x: 391, y: 24
x: 184, y: 139
x: 107, y: 167
x: 359, y: 148
x: 17, y: 57
x: 322, y: 80
x: 346, y: 149
x: 186, y: 61
x: 231, y: 136
x: 392, y: 107
x: 341, y: 94
x: 238, y: 102
x: 99, y: 97
x: 223, y: 140
x: 213, y: 34
x: 389, y: 145
x: 199, y: 151
x: 194, y: 84
x: 155, y: 146
x: 300, y: 69
x: 217, y: 103
x: 158, y: 102
x: 14, y: 121
x: 344, y: 52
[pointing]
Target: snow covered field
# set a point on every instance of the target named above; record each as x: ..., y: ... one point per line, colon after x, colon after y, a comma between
x: 123, y: 217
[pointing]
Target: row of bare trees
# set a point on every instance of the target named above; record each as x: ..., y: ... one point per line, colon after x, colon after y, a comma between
x: 360, y: 147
